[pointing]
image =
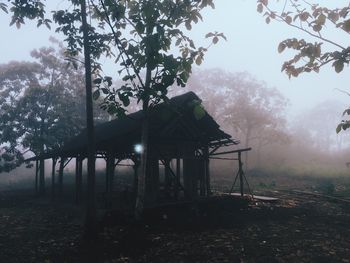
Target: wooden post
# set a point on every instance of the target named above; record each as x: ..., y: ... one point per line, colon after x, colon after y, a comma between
x: 240, y: 171
x: 201, y: 176
x: 60, y: 176
x: 207, y: 171
x: 78, y: 178
x: 167, y: 178
x: 136, y: 168
x: 109, y: 177
x: 53, y: 171
x: 178, y: 175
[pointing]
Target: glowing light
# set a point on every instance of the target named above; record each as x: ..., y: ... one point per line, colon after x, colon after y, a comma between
x: 138, y: 148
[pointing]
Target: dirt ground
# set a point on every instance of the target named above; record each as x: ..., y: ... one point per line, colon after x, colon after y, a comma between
x: 297, y: 228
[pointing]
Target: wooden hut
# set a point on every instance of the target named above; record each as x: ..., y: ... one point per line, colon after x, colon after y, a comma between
x: 182, y: 137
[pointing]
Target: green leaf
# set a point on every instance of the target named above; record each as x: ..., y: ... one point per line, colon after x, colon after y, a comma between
x: 338, y: 129
x: 96, y: 94
x: 199, y: 112
x: 346, y: 25
x: 281, y: 47
x: 105, y: 91
x: 97, y: 81
x: 199, y: 60
x: 289, y: 19
x: 317, y: 28
x: 338, y: 66
x: 188, y: 25
x: 304, y: 16
x: 268, y: 20
x: 321, y: 19
x: 210, y: 34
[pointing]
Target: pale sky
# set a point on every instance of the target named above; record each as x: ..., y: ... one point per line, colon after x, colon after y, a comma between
x: 251, y: 46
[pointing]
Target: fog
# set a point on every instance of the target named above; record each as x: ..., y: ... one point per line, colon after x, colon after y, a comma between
x: 306, y: 111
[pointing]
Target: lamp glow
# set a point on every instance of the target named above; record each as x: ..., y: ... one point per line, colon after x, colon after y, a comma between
x: 138, y: 148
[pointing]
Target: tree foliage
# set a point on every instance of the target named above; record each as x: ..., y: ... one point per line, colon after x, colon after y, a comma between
x: 41, y: 105
x: 141, y: 36
x: 314, y: 20
x: 246, y: 107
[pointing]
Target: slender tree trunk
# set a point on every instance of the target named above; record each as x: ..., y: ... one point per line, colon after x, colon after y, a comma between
x: 178, y: 175
x: 53, y: 171
x: 42, y: 177
x: 140, y: 199
x: 36, y: 177
x: 78, y: 179
x: 60, y: 177
x: 90, y: 219
x: 42, y: 160
x: 141, y: 187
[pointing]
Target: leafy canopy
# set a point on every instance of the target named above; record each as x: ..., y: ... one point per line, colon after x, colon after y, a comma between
x: 314, y: 20
x: 147, y: 39
x: 41, y: 105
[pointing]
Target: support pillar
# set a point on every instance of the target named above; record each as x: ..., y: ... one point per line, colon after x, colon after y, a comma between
x: 207, y: 170
x: 178, y: 175
x: 110, y: 167
x: 167, y: 177
x: 135, y: 183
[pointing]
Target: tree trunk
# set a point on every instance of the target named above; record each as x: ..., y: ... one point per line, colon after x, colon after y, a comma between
x: 167, y: 178
x: 42, y: 177
x: 37, y: 177
x: 78, y: 179
x: 178, y: 176
x: 53, y: 171
x: 60, y: 177
x: 90, y: 218
x: 140, y: 199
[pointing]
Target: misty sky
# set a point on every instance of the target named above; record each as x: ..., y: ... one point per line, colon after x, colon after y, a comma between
x: 251, y: 46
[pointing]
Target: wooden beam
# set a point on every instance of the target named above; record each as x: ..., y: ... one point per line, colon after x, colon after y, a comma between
x: 234, y: 151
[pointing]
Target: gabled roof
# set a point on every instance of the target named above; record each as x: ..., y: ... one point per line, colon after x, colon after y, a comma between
x: 169, y: 122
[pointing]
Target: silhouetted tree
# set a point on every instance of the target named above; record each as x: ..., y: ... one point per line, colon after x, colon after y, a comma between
x: 41, y: 106
x: 252, y: 111
x: 312, y: 19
